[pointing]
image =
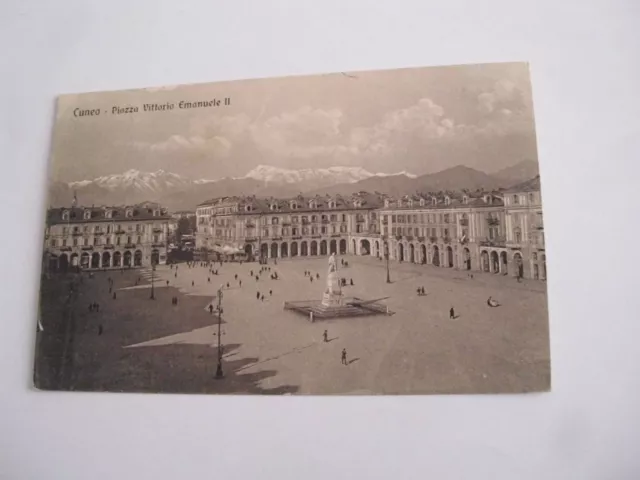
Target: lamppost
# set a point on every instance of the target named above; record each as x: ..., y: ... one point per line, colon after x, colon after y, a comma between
x: 153, y: 269
x: 219, y: 372
x: 386, y: 257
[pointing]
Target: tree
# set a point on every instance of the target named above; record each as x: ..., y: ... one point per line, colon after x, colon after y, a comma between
x: 184, y: 227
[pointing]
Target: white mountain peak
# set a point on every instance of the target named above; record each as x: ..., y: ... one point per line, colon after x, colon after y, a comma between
x: 338, y: 174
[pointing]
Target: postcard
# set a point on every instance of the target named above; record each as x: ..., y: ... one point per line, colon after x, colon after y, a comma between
x: 365, y: 233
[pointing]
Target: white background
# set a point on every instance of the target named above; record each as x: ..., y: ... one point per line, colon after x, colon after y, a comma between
x: 585, y: 73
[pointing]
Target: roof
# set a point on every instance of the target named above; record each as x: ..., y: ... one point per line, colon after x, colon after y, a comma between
x: 475, y: 199
x: 532, y: 185
x: 361, y: 200
x: 98, y: 214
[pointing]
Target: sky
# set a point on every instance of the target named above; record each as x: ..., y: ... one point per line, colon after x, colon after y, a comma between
x: 420, y: 120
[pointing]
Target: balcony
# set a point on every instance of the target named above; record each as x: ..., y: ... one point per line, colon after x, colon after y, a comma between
x: 65, y: 249
x: 130, y: 245
x: 76, y: 234
x: 335, y: 235
x: 421, y: 239
x: 385, y: 222
x: 398, y: 237
x: 157, y: 230
x: 108, y: 247
x: 433, y: 239
x: 277, y: 238
x: 464, y: 222
x: 250, y: 239
x: 286, y: 224
x: 324, y: 221
x: 305, y: 221
x: 156, y: 245
x: 120, y: 232
x: 296, y: 237
x: 409, y: 238
x: 87, y: 247
x: 446, y: 240
x: 493, y: 221
x: 99, y: 232
x: 360, y: 219
x: 499, y: 242
x: 250, y: 225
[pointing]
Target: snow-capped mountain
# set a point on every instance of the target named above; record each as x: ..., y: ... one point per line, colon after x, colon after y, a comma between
x: 151, y: 182
x: 333, y: 175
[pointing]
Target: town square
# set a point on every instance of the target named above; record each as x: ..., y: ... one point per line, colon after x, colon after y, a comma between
x: 135, y: 343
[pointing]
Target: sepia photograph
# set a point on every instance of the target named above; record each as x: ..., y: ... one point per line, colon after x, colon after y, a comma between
x: 352, y: 233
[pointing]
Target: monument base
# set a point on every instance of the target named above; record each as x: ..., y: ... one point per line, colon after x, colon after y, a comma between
x: 332, y: 300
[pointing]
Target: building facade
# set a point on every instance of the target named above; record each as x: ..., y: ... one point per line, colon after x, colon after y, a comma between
x: 277, y: 228
x: 105, y: 237
x: 501, y: 233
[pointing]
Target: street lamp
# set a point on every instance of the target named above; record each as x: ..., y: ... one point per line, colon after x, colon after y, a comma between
x: 219, y: 372
x: 153, y: 269
x: 386, y: 257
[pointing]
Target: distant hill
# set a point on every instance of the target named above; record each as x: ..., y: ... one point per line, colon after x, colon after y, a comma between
x: 518, y: 173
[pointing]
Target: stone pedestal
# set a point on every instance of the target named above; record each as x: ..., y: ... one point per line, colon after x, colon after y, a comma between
x: 332, y: 299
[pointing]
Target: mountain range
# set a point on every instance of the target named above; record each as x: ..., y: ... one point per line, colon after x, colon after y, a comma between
x: 180, y: 193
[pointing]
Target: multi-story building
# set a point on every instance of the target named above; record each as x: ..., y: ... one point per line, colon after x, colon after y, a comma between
x: 300, y: 226
x: 106, y: 237
x: 525, y: 229
x: 498, y: 232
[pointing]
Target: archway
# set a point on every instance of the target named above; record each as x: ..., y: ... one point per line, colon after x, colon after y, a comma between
x: 137, y: 258
x: 495, y: 262
x: 248, y: 250
x: 117, y: 259
x: 365, y: 247
x: 84, y: 260
x: 294, y: 249
x: 333, y: 247
x: 264, y: 250
x: 155, y: 257
x: 284, y: 250
x: 127, y: 258
x: 274, y: 250
x: 435, y: 256
x: 484, y: 261
x: 401, y: 252
x: 503, y: 261
x: 314, y: 248
x: 449, y: 257
x: 304, y: 249
x: 53, y: 263
x: 423, y: 252
x: 517, y: 260
x: 343, y: 246
x: 467, y: 259
x: 323, y: 247
x: 63, y: 263
x: 74, y: 260
x: 106, y: 259
x: 543, y: 267
x: 412, y: 253
x: 95, y: 260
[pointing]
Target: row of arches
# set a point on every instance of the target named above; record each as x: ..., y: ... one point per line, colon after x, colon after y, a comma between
x: 303, y: 248
x: 85, y: 260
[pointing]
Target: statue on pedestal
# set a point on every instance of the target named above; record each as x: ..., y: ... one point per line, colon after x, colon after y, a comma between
x: 333, y: 293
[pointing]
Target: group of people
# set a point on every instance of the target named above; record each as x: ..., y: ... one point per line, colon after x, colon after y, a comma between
x: 421, y: 292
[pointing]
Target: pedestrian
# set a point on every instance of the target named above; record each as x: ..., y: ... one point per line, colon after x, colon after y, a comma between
x: 193, y: 283
x: 452, y: 313
x: 100, y: 329
x: 318, y: 276
x: 344, y: 356
x: 114, y: 295
x: 257, y: 278
x: 240, y: 282
x: 91, y: 307
x: 311, y: 279
x: 351, y: 281
x: 208, y: 279
x: 110, y: 289
x: 176, y: 300
x: 97, y: 307
x: 227, y: 284
x: 419, y: 291
x: 176, y: 275
x: 167, y: 283
x: 211, y: 308
x: 251, y: 273
x: 258, y: 296
x: 262, y: 298
x: 270, y: 293
x: 325, y: 335
x: 236, y: 276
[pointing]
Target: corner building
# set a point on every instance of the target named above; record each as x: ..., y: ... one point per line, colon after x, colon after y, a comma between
x: 105, y: 237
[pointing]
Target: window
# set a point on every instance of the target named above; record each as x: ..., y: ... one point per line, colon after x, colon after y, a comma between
x: 294, y: 219
x: 343, y: 229
x: 53, y: 242
x: 393, y: 218
x: 128, y: 240
x: 96, y: 241
x: 108, y: 240
x: 324, y: 230
x: 129, y: 213
x: 294, y: 231
x: 64, y: 242
x: 75, y: 242
x: 333, y: 229
x: 85, y: 229
x: 65, y: 215
x: 334, y: 218
x: 344, y: 217
x: 87, y: 214
x: 117, y: 240
x: 517, y: 234
x: 265, y: 232
x: 139, y: 239
x: 305, y: 231
x: 516, y: 200
x: 446, y: 218
x: 531, y: 198
x: 155, y: 239
x: 65, y: 231
x: 314, y: 230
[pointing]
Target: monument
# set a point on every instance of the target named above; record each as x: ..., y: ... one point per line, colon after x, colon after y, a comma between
x: 332, y: 296
x: 334, y: 304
